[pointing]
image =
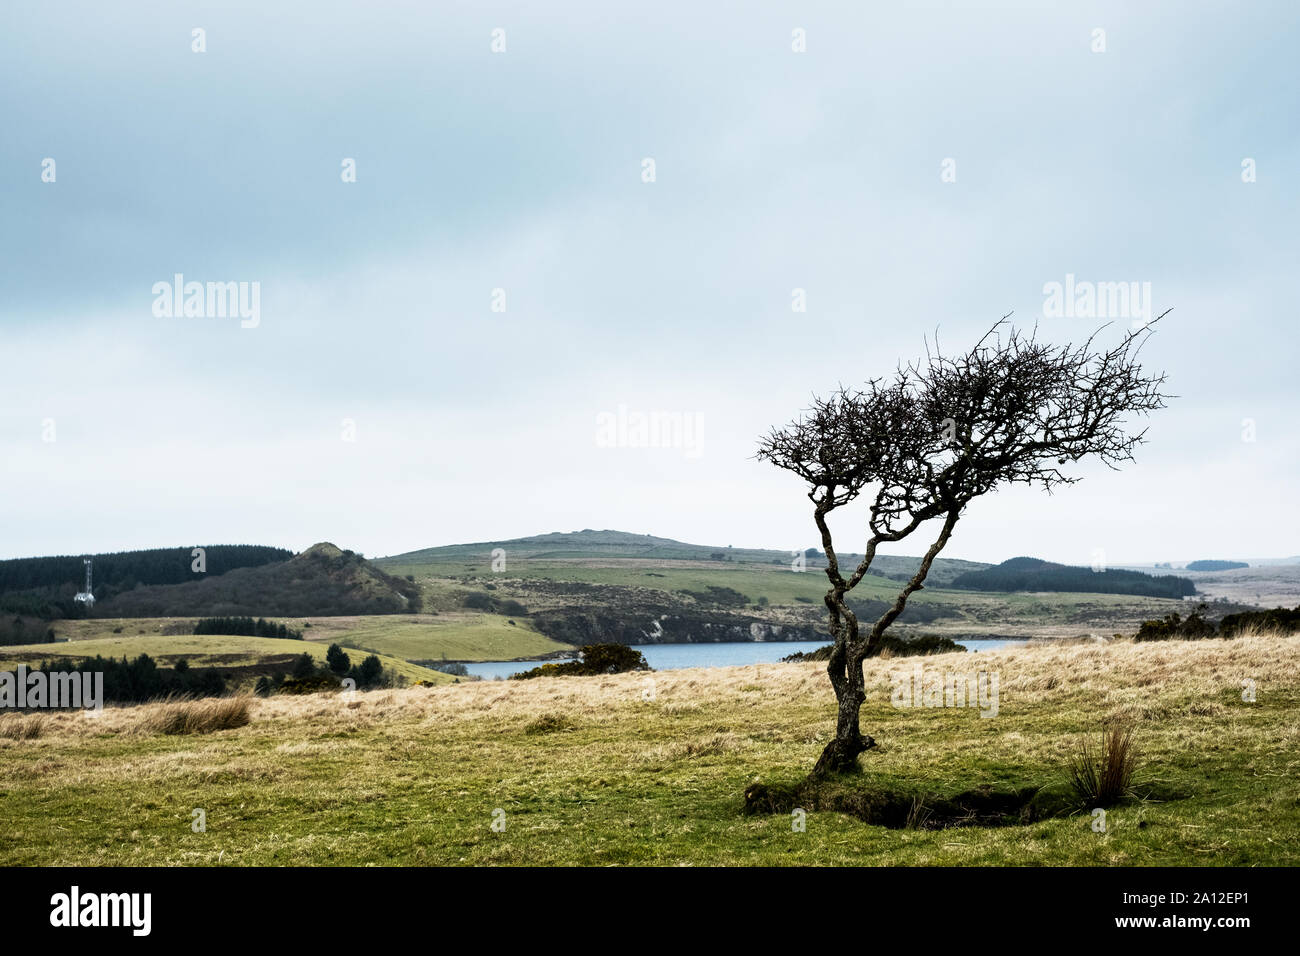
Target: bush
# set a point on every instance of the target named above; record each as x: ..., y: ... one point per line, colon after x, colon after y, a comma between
x: 370, y: 673
x: 478, y: 601
x: 337, y: 660
x: 314, y: 683
x: 596, y: 659
x: 896, y: 646
x: 1276, y: 619
x: 454, y: 668
x: 1193, y: 627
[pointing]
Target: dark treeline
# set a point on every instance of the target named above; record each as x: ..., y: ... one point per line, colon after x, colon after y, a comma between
x: 308, y: 676
x: 140, y: 680
x: 44, y: 587
x: 246, y: 626
x: 1032, y: 574
x: 24, y: 630
x: 1196, y: 626
x: 1216, y: 565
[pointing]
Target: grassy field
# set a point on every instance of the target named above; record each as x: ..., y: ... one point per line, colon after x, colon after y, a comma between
x: 199, y: 650
x: 456, y: 635
x: 650, y: 769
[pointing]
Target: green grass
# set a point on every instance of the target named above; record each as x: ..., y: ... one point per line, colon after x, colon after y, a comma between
x: 455, y: 635
x: 462, y: 636
x: 200, y: 650
x: 597, y: 771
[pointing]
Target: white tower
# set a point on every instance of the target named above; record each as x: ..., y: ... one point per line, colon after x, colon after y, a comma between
x: 87, y: 596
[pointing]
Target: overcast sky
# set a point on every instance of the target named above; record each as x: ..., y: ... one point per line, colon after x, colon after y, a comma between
x: 913, y: 169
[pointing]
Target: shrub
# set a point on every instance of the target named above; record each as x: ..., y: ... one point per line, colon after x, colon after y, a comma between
x: 1193, y: 627
x: 1276, y: 619
x: 311, y: 684
x: 337, y: 660
x: 454, y: 668
x: 1103, y: 777
x: 370, y: 673
x: 596, y: 659
x: 890, y: 646
x: 304, y: 666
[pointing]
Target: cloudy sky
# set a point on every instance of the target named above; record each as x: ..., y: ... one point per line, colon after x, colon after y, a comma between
x: 914, y: 169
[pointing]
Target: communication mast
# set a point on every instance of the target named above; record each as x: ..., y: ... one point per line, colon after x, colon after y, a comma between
x: 87, y: 596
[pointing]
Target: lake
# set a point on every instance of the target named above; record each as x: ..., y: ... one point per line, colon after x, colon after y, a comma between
x: 671, y: 657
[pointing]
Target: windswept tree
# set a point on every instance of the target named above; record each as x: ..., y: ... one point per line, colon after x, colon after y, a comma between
x: 921, y: 445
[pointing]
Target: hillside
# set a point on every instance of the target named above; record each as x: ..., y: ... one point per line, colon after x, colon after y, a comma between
x: 1033, y: 574
x: 323, y: 580
x: 45, y: 587
x: 589, y: 545
x: 586, y: 586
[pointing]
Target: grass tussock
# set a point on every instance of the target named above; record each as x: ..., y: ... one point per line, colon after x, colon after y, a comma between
x: 196, y: 716
x: 1101, y: 777
x: 21, y: 726
x: 548, y: 724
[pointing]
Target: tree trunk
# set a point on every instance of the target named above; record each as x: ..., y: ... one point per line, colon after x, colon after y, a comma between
x: 841, y: 754
x: 845, y: 669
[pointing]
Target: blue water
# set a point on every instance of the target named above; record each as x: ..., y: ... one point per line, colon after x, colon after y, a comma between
x: 671, y: 657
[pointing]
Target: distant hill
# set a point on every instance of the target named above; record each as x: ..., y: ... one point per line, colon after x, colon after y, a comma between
x: 45, y: 587
x: 1215, y: 565
x: 1033, y: 574
x: 323, y: 580
x: 589, y: 545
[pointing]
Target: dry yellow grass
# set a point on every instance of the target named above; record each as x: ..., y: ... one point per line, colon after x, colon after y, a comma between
x: 1117, y: 679
x: 195, y: 716
x: 21, y: 726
